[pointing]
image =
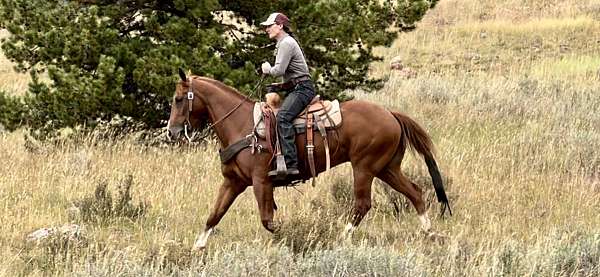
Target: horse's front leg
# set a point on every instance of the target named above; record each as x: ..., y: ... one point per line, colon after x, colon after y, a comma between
x: 263, y: 191
x: 228, y: 191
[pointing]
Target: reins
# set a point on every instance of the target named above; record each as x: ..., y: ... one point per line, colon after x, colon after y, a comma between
x: 205, y: 132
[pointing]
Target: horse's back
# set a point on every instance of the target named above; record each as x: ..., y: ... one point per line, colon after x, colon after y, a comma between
x: 370, y: 133
x: 364, y: 116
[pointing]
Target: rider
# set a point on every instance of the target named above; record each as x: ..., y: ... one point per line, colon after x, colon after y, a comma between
x: 291, y: 64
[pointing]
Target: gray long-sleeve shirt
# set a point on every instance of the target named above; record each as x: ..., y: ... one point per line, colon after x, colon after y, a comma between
x: 289, y: 60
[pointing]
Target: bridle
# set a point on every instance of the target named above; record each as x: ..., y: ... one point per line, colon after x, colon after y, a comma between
x: 190, y: 99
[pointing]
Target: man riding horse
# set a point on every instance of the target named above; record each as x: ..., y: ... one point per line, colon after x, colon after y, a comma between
x: 291, y: 64
x: 373, y: 139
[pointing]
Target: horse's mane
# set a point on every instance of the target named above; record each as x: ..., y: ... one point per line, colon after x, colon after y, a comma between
x: 219, y: 85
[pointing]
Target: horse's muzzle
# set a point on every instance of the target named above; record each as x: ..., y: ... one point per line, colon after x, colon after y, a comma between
x: 174, y: 132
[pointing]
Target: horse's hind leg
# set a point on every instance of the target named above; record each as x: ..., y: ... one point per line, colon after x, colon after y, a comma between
x: 393, y: 176
x: 362, y: 197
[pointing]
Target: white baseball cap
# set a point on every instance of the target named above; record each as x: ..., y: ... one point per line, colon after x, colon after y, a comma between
x: 276, y: 18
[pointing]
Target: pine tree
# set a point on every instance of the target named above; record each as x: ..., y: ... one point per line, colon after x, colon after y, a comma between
x: 11, y: 112
x: 119, y: 57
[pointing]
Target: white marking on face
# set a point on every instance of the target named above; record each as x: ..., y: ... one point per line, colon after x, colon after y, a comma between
x: 202, y: 240
x: 167, y: 130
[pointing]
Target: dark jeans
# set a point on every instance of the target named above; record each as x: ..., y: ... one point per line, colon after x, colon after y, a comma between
x: 293, y: 104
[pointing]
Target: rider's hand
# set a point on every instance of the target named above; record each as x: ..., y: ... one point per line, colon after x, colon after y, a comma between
x: 266, y: 68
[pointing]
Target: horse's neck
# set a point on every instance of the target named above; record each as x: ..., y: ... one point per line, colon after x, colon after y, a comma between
x: 231, y: 125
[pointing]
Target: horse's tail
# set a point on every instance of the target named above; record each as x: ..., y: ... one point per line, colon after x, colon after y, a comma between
x: 419, y: 140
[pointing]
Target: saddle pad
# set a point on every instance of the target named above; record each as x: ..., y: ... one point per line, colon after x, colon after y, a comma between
x: 332, y: 119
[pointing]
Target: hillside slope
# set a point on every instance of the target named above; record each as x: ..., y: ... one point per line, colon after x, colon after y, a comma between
x: 508, y: 91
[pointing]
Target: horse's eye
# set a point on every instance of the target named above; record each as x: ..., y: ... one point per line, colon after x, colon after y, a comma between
x: 178, y: 99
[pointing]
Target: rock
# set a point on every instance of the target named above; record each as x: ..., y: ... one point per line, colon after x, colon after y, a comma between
x: 396, y: 63
x: 40, y: 234
x: 407, y: 73
x: 72, y: 232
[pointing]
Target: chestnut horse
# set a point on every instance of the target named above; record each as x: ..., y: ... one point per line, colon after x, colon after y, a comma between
x: 371, y: 138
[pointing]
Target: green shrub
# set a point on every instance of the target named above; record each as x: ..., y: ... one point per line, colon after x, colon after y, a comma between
x: 100, y: 208
x: 12, y: 112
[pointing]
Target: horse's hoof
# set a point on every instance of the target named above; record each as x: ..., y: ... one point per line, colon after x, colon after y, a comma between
x: 346, y: 235
x: 199, y: 246
x: 271, y: 226
x: 200, y: 243
x: 436, y: 237
x: 198, y: 249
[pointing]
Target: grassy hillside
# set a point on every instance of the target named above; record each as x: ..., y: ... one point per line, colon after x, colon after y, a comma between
x: 10, y: 81
x: 508, y: 91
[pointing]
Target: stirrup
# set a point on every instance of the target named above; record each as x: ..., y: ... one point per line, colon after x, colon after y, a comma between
x: 288, y: 172
x: 280, y: 172
x: 277, y: 175
x: 292, y: 171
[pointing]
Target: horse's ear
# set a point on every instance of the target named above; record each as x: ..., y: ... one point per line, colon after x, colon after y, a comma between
x: 182, y: 75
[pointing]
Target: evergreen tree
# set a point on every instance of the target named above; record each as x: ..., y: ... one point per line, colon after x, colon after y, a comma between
x: 11, y: 112
x: 119, y: 57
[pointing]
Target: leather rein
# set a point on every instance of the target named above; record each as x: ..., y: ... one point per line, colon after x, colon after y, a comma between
x: 205, y: 132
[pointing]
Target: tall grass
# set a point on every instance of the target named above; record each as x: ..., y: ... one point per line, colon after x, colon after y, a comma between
x: 13, y: 82
x: 517, y: 137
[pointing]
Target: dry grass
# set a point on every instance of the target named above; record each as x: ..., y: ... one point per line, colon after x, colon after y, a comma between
x: 517, y: 138
x: 11, y: 81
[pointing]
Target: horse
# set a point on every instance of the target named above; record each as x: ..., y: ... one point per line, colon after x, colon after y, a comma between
x: 373, y: 139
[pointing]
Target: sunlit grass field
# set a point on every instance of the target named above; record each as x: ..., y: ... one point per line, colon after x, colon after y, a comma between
x: 509, y: 91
